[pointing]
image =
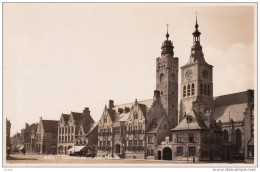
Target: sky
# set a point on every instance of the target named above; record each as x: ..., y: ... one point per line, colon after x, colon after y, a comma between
x: 63, y: 57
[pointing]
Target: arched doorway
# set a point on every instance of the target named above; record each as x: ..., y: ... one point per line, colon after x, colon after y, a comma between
x: 118, y: 148
x: 167, y: 153
x: 159, y: 155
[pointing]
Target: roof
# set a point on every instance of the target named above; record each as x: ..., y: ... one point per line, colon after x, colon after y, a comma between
x: 50, y: 125
x: 230, y: 106
x: 76, y: 115
x: 65, y: 117
x: 195, y: 124
x: 231, y: 99
x: 154, y: 128
x: 92, y: 127
x: 226, y: 113
x: 122, y: 117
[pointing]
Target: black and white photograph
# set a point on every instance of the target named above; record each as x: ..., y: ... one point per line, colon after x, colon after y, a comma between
x: 129, y: 84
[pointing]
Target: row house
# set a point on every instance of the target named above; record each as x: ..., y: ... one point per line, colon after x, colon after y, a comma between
x: 76, y: 129
x: 46, y: 134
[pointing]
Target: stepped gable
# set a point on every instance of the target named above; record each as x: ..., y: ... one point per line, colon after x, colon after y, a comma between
x: 231, y: 106
x: 50, y: 125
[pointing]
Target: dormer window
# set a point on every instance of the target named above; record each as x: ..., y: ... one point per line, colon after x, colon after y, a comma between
x: 105, y: 120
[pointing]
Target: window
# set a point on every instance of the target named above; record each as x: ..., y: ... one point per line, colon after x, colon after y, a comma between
x: 105, y: 120
x: 192, y: 151
x: 189, y: 90
x: 161, y: 78
x: 135, y: 116
x: 140, y: 142
x: 208, y: 90
x: 192, y: 138
x: 180, y: 138
x: 179, y: 151
x: 130, y: 143
x: 104, y: 143
x: 192, y: 89
x: 205, y: 89
x: 201, y: 88
x: 184, y: 91
x: 150, y: 139
x: 108, y: 143
x: 135, y: 142
x: 150, y: 152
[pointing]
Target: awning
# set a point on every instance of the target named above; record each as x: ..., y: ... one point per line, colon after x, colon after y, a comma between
x: 75, y: 149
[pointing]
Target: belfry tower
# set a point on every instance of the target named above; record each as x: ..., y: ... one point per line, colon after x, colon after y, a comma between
x: 167, y: 80
x: 196, y: 79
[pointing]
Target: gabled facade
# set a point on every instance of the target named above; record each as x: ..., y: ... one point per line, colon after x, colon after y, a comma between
x: 76, y: 129
x: 46, y: 134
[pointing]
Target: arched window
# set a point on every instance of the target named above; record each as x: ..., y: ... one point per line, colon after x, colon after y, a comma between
x: 208, y: 90
x: 189, y: 90
x: 184, y: 91
x: 205, y: 89
x: 201, y: 88
x: 238, y: 140
x: 161, y: 77
x: 192, y: 89
x: 225, y: 136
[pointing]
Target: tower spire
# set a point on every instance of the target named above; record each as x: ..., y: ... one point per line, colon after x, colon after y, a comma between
x: 167, y: 35
x: 196, y: 33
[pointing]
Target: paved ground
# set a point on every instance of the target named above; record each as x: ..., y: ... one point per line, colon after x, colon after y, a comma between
x: 63, y: 159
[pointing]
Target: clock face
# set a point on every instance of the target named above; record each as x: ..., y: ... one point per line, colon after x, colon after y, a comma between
x: 188, y: 74
x: 205, y: 74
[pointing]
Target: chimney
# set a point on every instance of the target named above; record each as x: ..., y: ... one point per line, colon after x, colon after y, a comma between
x: 156, y: 95
x: 111, y: 104
x: 40, y: 118
x: 26, y: 125
x: 86, y: 111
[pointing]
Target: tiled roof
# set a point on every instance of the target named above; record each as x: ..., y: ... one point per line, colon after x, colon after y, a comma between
x: 76, y: 115
x: 154, y: 129
x: 144, y: 106
x: 195, y: 124
x: 124, y: 117
x: 65, y: 117
x: 225, y: 113
x: 50, y: 125
x: 231, y: 99
x: 92, y: 127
